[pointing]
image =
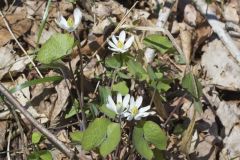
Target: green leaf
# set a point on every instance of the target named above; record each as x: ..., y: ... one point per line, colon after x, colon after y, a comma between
x: 151, y: 73
x: 161, y: 86
x: 123, y: 75
x: 33, y: 156
x: 161, y: 43
x: 107, y: 111
x: 45, y: 155
x: 198, y: 106
x: 155, y: 135
x: 104, y: 92
x: 74, y: 110
x: 55, y: 47
x: 112, y: 140
x: 95, y: 133
x: 36, y: 136
x: 192, y: 85
x: 36, y: 81
x: 136, y: 69
x: 114, y: 61
x: 77, y: 136
x: 121, y: 87
x: 140, y: 143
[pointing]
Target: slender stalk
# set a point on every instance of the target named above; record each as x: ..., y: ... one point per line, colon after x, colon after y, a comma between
x: 81, y: 100
x: 78, y: 93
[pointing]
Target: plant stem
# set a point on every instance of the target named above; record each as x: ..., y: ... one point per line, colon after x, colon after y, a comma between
x: 81, y: 96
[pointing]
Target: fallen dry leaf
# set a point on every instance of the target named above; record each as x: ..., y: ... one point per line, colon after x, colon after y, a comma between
x: 222, y: 70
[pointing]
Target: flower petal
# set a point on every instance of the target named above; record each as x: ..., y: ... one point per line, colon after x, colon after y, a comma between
x: 61, y: 21
x: 126, y: 101
x: 114, y: 39
x: 139, y: 115
x: 77, y: 15
x: 111, y: 44
x: 139, y: 101
x: 126, y: 114
x: 144, y: 109
x: 132, y: 102
x: 129, y: 118
x: 129, y: 42
x: 119, y: 98
x: 122, y: 36
x: 114, y: 49
x: 111, y: 104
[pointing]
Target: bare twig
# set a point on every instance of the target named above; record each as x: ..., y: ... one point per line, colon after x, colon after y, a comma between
x: 21, y: 47
x: 16, y: 117
x: 39, y: 126
x: 9, y: 142
x: 218, y: 27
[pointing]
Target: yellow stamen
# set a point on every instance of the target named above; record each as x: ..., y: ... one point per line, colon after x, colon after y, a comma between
x: 134, y: 111
x: 70, y: 22
x: 120, y: 44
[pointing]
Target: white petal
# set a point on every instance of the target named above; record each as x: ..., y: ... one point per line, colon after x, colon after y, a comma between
x: 152, y: 113
x: 112, y: 44
x: 129, y: 42
x: 137, y: 118
x: 132, y: 102
x: 126, y: 114
x: 144, y: 109
x: 129, y: 118
x: 77, y: 15
x: 126, y: 101
x: 139, y: 101
x: 114, y: 49
x: 119, y: 98
x: 112, y: 104
x: 61, y: 21
x: 122, y: 36
x: 145, y: 114
x: 114, y: 39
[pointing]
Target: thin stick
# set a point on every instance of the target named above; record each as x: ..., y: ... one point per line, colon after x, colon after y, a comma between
x: 9, y: 142
x: 21, y: 47
x: 16, y: 117
x: 38, y: 125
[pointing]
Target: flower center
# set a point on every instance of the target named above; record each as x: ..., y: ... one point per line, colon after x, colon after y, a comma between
x: 134, y: 111
x: 120, y: 44
x: 70, y: 22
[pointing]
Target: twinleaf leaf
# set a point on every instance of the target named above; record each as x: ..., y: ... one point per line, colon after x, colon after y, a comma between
x: 95, y: 133
x: 121, y: 87
x: 140, y: 143
x: 161, y: 43
x: 155, y: 135
x: 191, y: 83
x: 112, y: 140
x: 36, y: 136
x: 76, y: 136
x: 55, y: 47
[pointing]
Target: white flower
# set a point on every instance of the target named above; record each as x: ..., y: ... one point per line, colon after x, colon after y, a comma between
x: 135, y: 112
x: 70, y: 24
x: 121, y: 106
x: 120, y: 45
